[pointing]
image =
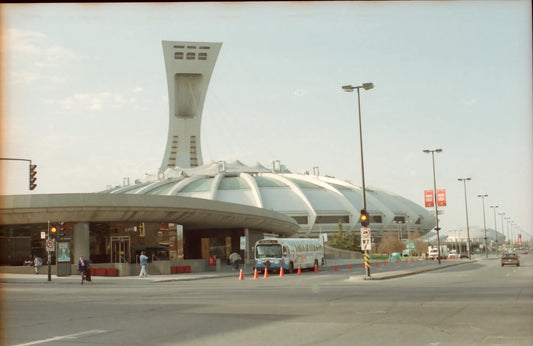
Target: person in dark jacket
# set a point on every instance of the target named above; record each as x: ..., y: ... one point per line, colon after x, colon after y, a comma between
x: 83, y: 268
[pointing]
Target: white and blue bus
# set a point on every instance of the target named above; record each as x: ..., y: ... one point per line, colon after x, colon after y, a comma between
x: 289, y: 253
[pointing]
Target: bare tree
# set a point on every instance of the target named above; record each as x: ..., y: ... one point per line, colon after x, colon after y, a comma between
x: 390, y: 243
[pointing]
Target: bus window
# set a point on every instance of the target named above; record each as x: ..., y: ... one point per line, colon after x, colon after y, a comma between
x: 264, y: 250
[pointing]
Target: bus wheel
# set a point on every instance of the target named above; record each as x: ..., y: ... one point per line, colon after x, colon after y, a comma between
x: 291, y: 268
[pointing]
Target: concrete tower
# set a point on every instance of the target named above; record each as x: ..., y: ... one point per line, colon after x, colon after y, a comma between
x: 189, y: 66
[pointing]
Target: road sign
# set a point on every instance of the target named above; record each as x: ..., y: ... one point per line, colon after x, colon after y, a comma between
x: 365, y: 232
x: 50, y: 245
x: 366, y: 245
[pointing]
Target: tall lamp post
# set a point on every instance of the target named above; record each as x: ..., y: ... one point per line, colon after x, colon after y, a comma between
x: 495, y: 227
x: 484, y: 224
x: 435, y: 195
x: 503, y: 229
x: 467, y: 225
x: 349, y: 88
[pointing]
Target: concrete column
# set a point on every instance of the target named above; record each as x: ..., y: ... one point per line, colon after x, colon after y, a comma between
x: 81, y: 241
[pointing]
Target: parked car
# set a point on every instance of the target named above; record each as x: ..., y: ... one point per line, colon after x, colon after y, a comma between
x: 510, y: 258
x: 464, y: 255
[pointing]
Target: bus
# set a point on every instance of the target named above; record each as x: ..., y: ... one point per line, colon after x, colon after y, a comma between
x: 289, y: 253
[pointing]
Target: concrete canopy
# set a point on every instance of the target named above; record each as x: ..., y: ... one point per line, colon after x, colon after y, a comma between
x: 192, y: 213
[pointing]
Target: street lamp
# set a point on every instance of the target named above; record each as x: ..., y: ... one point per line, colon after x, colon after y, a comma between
x: 349, y: 88
x: 467, y: 225
x: 503, y: 229
x: 495, y: 227
x: 435, y: 195
x: 484, y: 224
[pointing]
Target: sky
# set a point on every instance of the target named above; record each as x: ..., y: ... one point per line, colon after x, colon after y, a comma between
x: 84, y: 95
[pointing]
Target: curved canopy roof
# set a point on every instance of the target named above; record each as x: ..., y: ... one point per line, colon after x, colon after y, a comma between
x: 317, y: 203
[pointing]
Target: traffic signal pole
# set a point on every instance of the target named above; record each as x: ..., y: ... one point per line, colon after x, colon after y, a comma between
x: 49, y: 257
x: 32, y: 172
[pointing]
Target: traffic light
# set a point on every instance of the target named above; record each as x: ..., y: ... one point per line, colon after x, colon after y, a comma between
x: 62, y: 229
x: 33, y: 177
x: 53, y: 231
x: 365, y: 219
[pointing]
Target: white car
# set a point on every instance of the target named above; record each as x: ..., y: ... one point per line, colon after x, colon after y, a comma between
x: 453, y: 255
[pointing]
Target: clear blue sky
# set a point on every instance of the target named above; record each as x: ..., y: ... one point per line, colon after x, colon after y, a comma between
x: 85, y: 95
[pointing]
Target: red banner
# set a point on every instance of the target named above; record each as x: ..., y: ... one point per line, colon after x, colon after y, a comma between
x: 441, y: 197
x: 428, y: 198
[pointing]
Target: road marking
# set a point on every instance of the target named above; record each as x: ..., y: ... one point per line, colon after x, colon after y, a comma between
x: 70, y: 336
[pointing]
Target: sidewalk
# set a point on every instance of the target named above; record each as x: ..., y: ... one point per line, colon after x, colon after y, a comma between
x: 342, y: 264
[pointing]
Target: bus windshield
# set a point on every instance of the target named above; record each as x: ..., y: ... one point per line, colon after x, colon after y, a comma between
x: 270, y: 250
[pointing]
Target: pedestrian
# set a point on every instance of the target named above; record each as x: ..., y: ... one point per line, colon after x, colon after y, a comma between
x: 234, y: 258
x: 143, y: 260
x: 83, y: 268
x: 37, y: 262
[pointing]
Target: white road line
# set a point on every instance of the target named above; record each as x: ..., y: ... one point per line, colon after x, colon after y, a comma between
x: 70, y: 336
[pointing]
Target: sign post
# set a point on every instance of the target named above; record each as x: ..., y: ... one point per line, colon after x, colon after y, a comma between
x: 366, y: 245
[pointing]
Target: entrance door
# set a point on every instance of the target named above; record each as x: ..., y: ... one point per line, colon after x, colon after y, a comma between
x: 120, y: 249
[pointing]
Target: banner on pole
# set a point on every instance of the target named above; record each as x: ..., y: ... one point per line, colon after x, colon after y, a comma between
x: 428, y: 198
x: 441, y: 197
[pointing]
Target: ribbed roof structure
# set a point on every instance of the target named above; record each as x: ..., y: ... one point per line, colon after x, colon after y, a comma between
x: 317, y: 203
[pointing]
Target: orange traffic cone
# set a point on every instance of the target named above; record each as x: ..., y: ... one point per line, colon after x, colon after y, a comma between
x: 266, y: 273
x: 376, y: 264
x: 417, y: 259
x: 406, y: 261
x: 396, y: 261
x: 299, y: 270
x: 316, y: 268
x: 241, y: 276
x: 349, y: 266
x: 336, y: 268
x: 384, y: 263
x: 364, y: 265
x: 281, y: 272
x: 255, y: 273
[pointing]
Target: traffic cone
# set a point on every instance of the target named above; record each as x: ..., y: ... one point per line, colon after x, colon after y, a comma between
x: 384, y: 263
x: 376, y: 264
x: 241, y: 276
x: 412, y: 260
x: 316, y: 268
x: 266, y: 273
x: 349, y: 266
x: 364, y: 265
x: 396, y: 261
x: 407, y: 261
x: 336, y: 268
x: 281, y: 272
x: 299, y: 270
x: 255, y: 273
x: 417, y: 259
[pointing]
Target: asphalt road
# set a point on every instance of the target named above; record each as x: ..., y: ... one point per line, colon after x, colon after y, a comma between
x: 478, y: 303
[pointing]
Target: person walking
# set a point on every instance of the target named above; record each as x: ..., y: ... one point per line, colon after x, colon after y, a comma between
x: 234, y: 258
x: 143, y: 260
x: 83, y: 268
x: 37, y: 262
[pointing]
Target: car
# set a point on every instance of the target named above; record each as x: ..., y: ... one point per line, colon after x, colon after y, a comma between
x: 510, y: 258
x: 464, y: 255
